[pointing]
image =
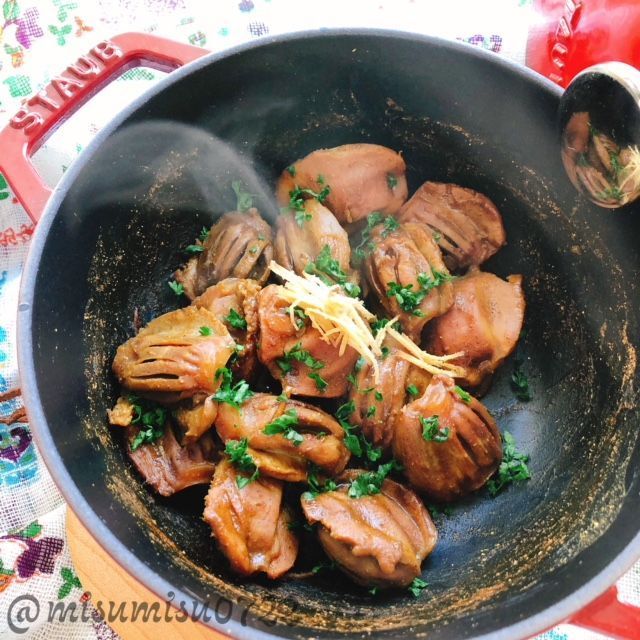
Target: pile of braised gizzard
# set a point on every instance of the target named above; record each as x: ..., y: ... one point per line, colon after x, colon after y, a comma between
x: 191, y: 403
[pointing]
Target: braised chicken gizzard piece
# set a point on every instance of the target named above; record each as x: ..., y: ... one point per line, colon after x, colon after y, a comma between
x: 361, y: 178
x: 377, y: 540
x: 195, y: 416
x: 234, y: 301
x: 170, y: 359
x: 165, y: 463
x: 484, y: 323
x: 376, y: 404
x: 285, y: 437
x: 250, y: 524
x: 466, y: 224
x: 238, y: 245
x: 404, y: 269
x: 314, y: 243
x: 447, y: 442
x: 170, y: 467
x: 296, y: 354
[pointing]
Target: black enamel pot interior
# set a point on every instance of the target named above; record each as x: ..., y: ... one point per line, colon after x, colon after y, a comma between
x: 114, y: 232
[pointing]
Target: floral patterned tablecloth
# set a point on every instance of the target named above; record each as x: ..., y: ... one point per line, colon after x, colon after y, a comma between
x: 38, y: 38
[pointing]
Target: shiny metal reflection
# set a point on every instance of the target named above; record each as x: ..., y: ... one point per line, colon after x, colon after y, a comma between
x: 599, y: 121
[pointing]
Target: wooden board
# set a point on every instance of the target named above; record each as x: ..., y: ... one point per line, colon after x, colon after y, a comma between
x: 108, y: 581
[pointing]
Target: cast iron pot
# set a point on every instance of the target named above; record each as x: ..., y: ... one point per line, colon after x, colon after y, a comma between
x: 113, y: 232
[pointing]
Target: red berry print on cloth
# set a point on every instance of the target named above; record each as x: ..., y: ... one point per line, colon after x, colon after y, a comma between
x: 10, y: 236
